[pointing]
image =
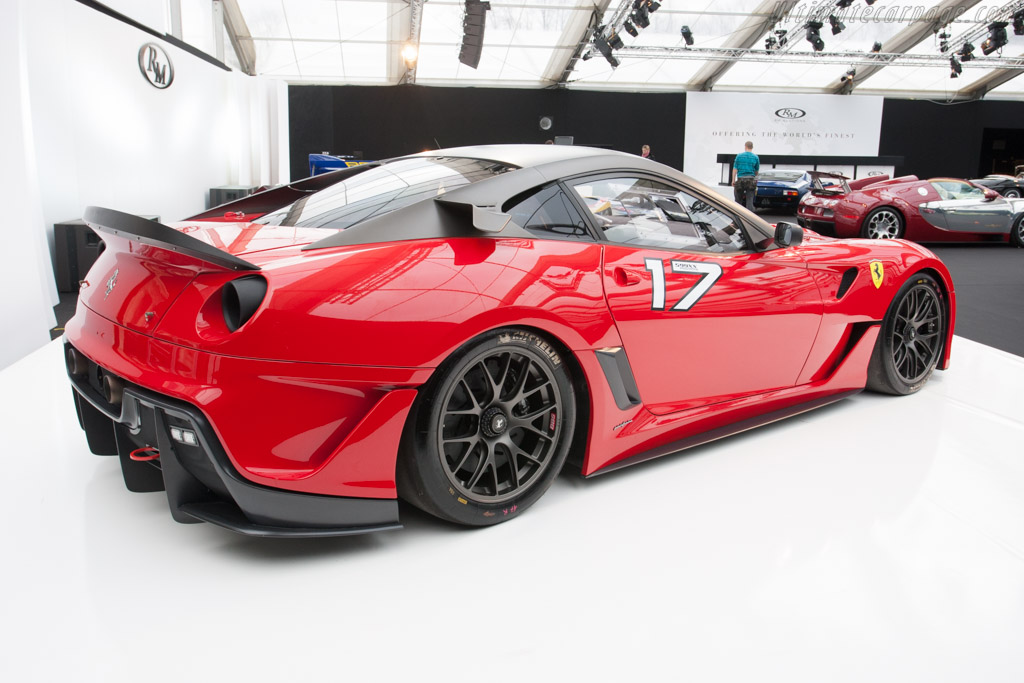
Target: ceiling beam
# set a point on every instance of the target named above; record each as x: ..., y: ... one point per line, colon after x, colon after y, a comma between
x: 750, y: 32
x: 399, y: 23
x: 929, y: 24
x: 413, y: 39
x: 577, y: 33
x: 238, y: 34
x: 981, y: 87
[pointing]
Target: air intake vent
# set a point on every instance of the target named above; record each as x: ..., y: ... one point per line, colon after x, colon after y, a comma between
x: 844, y: 285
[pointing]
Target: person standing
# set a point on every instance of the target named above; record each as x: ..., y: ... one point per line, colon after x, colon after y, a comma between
x: 744, y: 176
x: 645, y: 152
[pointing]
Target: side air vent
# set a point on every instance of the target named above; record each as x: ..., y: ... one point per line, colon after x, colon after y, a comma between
x: 844, y: 285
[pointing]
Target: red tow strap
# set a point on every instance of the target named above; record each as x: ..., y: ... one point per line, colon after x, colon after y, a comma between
x: 144, y: 454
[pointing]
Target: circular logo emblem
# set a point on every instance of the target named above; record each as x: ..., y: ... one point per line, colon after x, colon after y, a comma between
x: 156, y: 66
x: 790, y: 113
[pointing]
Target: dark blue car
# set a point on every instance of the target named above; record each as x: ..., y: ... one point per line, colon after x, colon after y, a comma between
x: 780, y: 188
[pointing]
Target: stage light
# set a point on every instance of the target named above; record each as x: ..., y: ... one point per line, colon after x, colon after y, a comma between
x: 687, y: 35
x: 870, y: 2
x: 848, y: 76
x: 409, y: 55
x: 996, y: 37
x: 943, y: 42
x: 653, y: 5
x: 837, y: 26
x: 843, y: 4
x: 615, y: 41
x: 601, y: 43
x: 1018, y: 23
x: 877, y: 47
x: 966, y: 52
x: 587, y: 56
x: 641, y: 17
x: 955, y: 68
x: 781, y: 35
x: 630, y: 28
x: 770, y: 43
x: 814, y: 35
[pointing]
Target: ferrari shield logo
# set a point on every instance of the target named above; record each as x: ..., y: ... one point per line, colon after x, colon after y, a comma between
x: 877, y: 273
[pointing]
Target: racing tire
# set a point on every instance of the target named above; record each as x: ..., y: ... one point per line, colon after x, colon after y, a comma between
x: 490, y: 431
x: 885, y: 223
x: 912, y: 338
x: 1012, y: 194
x: 1017, y: 233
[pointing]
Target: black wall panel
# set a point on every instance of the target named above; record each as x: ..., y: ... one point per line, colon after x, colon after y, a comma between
x: 384, y: 122
x: 934, y: 139
x: 943, y: 139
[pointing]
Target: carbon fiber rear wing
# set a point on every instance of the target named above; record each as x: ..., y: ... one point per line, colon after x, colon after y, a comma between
x: 145, y: 231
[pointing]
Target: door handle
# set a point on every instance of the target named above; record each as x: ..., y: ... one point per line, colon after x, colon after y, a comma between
x: 624, y: 278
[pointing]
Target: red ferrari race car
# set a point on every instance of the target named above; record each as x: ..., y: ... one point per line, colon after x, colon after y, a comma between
x: 454, y: 326
x: 935, y: 210
x: 816, y: 210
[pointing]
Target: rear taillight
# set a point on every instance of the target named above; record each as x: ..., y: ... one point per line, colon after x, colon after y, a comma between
x: 241, y: 298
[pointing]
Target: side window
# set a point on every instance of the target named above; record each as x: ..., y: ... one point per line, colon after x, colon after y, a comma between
x: 647, y: 213
x: 549, y: 214
x: 954, y: 189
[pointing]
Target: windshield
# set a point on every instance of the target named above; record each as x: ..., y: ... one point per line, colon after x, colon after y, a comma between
x: 382, y: 189
x: 784, y: 176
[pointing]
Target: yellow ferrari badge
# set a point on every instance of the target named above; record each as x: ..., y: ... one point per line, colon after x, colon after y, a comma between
x: 877, y: 273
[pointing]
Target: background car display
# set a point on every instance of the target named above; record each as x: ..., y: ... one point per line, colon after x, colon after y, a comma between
x: 939, y: 210
x: 454, y: 326
x: 781, y: 188
x: 816, y: 208
x: 1007, y: 185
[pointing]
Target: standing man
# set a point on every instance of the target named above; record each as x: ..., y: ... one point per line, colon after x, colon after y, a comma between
x: 744, y: 176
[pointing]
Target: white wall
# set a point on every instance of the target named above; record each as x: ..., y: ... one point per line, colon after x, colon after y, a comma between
x: 98, y: 133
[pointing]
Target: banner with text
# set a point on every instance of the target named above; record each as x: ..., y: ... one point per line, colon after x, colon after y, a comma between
x: 804, y: 125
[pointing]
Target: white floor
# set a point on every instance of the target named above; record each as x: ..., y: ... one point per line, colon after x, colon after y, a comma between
x: 879, y: 539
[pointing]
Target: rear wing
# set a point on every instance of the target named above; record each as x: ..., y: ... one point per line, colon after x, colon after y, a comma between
x: 142, y: 230
x: 861, y: 183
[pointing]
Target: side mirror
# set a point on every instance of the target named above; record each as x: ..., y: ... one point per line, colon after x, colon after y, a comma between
x: 788, y: 235
x: 990, y: 194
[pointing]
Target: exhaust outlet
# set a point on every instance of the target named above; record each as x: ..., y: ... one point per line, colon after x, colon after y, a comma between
x: 113, y: 390
x: 76, y: 362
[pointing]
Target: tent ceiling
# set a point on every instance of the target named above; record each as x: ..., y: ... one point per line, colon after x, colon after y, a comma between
x: 531, y: 43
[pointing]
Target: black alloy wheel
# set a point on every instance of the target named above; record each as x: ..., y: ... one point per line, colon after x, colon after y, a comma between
x: 912, y: 338
x: 493, y: 428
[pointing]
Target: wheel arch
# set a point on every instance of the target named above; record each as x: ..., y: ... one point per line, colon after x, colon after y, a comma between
x: 948, y: 302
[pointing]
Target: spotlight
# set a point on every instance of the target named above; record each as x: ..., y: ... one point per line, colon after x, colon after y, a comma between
x: 587, y: 56
x: 966, y: 52
x: 837, y: 26
x: 409, y: 55
x: 814, y: 35
x: 601, y: 43
x: 870, y: 2
x: 877, y: 47
x: 843, y: 4
x: 615, y: 42
x: 630, y: 28
x: 770, y: 43
x: 1018, y: 23
x: 943, y: 42
x: 687, y: 35
x: 955, y: 68
x: 996, y: 37
x: 653, y: 5
x: 641, y: 17
x: 848, y: 76
x: 781, y: 35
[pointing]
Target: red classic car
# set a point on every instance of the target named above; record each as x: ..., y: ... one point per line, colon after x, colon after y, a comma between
x: 934, y: 210
x: 453, y: 327
x: 816, y: 210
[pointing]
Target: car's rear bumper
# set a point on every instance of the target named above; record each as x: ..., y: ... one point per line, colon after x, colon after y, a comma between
x: 200, y: 481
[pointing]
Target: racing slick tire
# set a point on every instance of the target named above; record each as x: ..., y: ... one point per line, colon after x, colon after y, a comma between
x: 490, y: 431
x: 912, y: 338
x: 1017, y: 233
x: 885, y: 223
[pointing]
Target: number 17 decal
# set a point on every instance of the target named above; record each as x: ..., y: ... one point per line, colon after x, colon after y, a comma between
x: 709, y: 274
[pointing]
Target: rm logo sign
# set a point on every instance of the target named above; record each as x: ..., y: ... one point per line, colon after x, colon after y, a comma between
x: 156, y: 65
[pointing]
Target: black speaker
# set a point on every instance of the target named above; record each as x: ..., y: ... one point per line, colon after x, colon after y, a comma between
x: 473, y: 32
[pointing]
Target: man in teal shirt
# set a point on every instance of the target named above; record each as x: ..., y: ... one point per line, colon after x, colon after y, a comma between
x: 744, y: 176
